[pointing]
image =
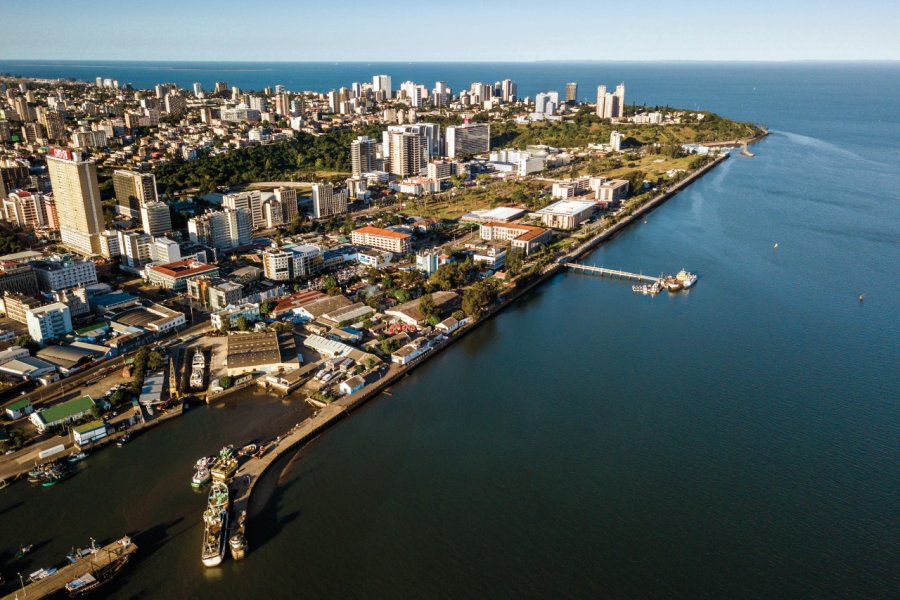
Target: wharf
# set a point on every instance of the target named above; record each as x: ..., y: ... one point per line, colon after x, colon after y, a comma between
x: 603, y: 272
x: 57, y: 582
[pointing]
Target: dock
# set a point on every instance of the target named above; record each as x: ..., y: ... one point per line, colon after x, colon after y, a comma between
x: 615, y: 273
x: 57, y: 582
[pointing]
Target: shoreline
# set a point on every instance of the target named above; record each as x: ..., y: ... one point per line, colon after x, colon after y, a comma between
x: 252, y: 471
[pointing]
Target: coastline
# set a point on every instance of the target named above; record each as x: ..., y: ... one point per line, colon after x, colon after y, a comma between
x: 305, y: 431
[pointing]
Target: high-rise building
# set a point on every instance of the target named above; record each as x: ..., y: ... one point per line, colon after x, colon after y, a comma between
x: 28, y: 209
x: 251, y: 201
x: 508, y: 90
x: 327, y: 202
x: 468, y: 139
x: 54, y: 124
x: 64, y: 271
x: 546, y: 103
x: 287, y: 197
x: 611, y: 105
x: 362, y: 155
x: 572, y: 92
x: 77, y: 195
x: 135, y: 248
x: 382, y: 83
x: 133, y: 190
x: 156, y: 219
x: 198, y: 89
x: 407, y: 153
x: 223, y: 230
x: 48, y: 322
x: 175, y: 104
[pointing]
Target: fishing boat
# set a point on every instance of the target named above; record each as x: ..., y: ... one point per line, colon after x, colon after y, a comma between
x: 123, y: 440
x: 201, y: 477
x: 77, y: 457
x: 97, y: 577
x: 247, y: 450
x: 23, y: 550
x: 215, y: 521
x: 686, y: 278
x: 225, y: 466
x: 238, y: 541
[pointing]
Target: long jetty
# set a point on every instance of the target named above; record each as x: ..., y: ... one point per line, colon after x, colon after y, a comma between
x: 604, y: 272
x: 98, y: 559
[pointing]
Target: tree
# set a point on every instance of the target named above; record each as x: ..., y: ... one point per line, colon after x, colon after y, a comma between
x: 243, y: 323
x: 401, y: 295
x: 27, y: 342
x: 478, y: 297
x: 514, y: 261
x: 155, y: 361
x: 459, y: 315
x: 427, y: 306
x: 386, y: 347
x: 226, y: 325
x: 635, y: 181
x: 266, y: 307
x: 117, y: 397
x: 225, y: 382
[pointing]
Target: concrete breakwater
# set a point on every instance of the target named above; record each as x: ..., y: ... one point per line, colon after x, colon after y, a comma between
x: 252, y: 470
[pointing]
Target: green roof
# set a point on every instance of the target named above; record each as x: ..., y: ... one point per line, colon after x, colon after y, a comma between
x: 19, y: 404
x: 89, y: 426
x: 63, y: 411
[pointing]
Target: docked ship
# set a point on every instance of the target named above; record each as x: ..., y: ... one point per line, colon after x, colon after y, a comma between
x: 225, y: 466
x: 198, y: 366
x: 201, y: 476
x: 647, y: 289
x: 215, y: 521
x: 92, y: 580
x: 686, y: 278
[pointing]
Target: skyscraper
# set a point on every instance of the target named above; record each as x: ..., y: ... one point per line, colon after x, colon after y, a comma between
x: 468, y: 139
x: 382, y: 83
x: 572, y: 92
x: 407, y: 153
x: 133, y: 190
x: 362, y: 155
x: 508, y: 90
x: 77, y: 196
x: 609, y: 105
x: 252, y: 202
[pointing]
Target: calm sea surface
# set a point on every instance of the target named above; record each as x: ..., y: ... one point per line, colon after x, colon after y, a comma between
x: 738, y: 441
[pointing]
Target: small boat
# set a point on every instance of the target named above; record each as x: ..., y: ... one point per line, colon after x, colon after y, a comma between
x: 238, y: 541
x: 861, y: 298
x: 23, y: 550
x: 201, y: 477
x: 77, y: 457
x: 123, y: 440
x: 247, y: 450
x: 775, y: 246
x: 41, y: 574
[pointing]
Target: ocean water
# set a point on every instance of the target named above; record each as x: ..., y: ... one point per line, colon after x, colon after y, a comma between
x: 736, y: 441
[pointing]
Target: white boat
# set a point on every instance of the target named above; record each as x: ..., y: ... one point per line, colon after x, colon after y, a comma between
x: 215, y: 520
x: 686, y: 278
x: 201, y: 477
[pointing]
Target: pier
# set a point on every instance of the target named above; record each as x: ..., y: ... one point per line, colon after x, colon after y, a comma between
x: 604, y: 272
x: 102, y: 557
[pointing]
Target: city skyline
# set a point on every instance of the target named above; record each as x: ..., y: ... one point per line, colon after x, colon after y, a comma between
x: 767, y: 31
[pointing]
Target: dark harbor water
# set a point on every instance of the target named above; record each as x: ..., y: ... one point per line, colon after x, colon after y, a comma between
x: 738, y: 441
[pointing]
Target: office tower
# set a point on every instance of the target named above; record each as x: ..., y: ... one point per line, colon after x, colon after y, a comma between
x: 508, y: 89
x: 407, y: 153
x: 327, y: 202
x: 382, y: 83
x: 77, y: 196
x: 571, y: 93
x: 468, y: 139
x: 155, y: 218
x: 287, y: 197
x: 362, y: 155
x: 251, y: 201
x: 133, y: 190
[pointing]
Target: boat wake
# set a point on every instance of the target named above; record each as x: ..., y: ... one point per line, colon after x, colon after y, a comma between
x: 818, y: 144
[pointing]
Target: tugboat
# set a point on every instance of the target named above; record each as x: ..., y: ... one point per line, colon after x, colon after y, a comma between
x: 238, y: 542
x: 89, y: 582
x: 215, y: 520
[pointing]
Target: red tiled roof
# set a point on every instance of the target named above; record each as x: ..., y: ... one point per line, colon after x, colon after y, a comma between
x: 296, y: 301
x: 183, y: 268
x: 382, y: 232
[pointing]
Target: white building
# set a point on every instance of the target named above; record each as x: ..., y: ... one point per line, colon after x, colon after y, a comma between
x: 155, y: 218
x: 48, y: 322
x: 468, y: 139
x: 64, y: 271
x: 327, y: 202
x: 566, y: 214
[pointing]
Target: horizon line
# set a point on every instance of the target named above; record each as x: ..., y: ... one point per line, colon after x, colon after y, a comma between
x: 485, y: 61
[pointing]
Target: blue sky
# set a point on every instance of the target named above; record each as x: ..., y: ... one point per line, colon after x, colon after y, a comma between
x: 387, y: 30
